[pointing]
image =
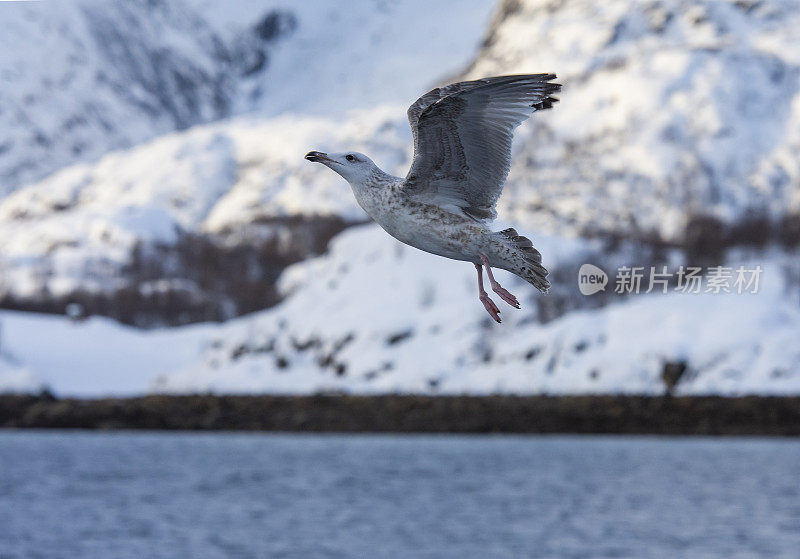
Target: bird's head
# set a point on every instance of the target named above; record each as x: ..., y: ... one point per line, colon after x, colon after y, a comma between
x: 354, y: 167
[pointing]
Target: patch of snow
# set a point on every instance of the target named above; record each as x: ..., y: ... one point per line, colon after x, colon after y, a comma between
x: 364, y: 53
x: 18, y: 380
x: 94, y: 357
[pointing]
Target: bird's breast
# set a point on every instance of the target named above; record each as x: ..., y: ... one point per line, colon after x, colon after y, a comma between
x: 432, y: 229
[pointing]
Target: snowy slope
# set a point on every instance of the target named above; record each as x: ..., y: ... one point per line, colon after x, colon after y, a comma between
x: 18, y: 379
x: 91, y: 358
x: 81, y: 227
x: 84, y: 77
x: 364, y: 53
x: 669, y: 109
x: 86, y: 228
x: 375, y: 316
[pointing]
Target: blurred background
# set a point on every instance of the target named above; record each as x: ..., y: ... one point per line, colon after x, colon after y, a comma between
x: 161, y: 234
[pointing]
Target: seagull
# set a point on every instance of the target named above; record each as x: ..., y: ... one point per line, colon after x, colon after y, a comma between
x: 462, y: 155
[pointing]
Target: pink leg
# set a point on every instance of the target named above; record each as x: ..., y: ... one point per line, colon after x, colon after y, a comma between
x: 488, y: 304
x: 496, y: 287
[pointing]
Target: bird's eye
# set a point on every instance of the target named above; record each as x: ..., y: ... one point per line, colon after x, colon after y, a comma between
x: 349, y: 157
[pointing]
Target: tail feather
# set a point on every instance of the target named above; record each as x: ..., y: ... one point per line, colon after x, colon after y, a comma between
x: 530, y: 269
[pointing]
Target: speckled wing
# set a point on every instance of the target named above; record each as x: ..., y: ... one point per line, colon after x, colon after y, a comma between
x: 462, y: 139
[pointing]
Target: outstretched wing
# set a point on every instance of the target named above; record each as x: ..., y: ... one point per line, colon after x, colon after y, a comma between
x: 462, y: 139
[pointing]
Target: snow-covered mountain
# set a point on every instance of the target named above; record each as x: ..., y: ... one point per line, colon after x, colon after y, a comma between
x: 206, y: 219
x: 677, y: 139
x: 198, y: 224
x: 80, y: 78
x: 671, y: 110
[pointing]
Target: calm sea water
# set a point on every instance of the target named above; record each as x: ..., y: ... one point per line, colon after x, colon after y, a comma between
x: 117, y: 495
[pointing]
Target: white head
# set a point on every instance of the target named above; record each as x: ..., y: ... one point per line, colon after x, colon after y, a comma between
x: 354, y: 167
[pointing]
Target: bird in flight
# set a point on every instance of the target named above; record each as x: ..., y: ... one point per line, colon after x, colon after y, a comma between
x: 462, y: 154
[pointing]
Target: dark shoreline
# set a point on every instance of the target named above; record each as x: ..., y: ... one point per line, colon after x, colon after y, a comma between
x: 751, y: 415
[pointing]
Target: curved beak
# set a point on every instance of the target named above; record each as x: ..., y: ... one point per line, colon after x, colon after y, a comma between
x: 319, y: 157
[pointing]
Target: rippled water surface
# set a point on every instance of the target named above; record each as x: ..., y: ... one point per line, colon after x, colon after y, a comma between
x: 77, y: 494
